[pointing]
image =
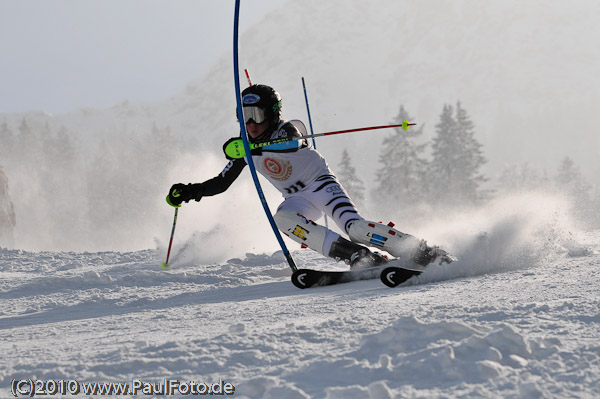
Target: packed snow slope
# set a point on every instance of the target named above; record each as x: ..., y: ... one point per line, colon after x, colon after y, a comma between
x: 517, y: 316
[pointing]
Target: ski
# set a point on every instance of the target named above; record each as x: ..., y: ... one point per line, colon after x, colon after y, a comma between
x: 393, y: 276
x: 395, y: 273
x: 306, y: 278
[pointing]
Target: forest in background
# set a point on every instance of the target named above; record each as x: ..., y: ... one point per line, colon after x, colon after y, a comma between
x: 66, y: 197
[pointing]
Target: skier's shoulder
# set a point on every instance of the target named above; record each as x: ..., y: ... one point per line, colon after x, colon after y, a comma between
x: 289, y: 129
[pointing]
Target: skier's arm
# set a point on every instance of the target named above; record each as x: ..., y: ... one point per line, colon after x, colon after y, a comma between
x: 223, y: 180
x: 185, y: 192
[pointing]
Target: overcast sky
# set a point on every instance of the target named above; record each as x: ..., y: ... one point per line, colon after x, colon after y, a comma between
x: 60, y: 55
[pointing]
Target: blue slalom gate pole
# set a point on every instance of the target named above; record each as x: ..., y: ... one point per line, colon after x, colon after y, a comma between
x: 308, y: 111
x: 312, y: 133
x: 240, y: 113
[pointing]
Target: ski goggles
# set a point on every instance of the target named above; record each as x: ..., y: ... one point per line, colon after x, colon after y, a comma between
x: 254, y: 114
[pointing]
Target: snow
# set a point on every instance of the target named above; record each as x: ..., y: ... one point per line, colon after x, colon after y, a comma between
x: 517, y: 316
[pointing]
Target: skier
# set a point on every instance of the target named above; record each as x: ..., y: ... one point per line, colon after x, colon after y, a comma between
x: 310, y: 189
x: 7, y: 213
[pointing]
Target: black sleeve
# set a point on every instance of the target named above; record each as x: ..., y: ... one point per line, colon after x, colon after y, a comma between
x: 221, y: 183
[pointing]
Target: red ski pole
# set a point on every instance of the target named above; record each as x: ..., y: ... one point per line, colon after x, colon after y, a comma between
x: 405, y: 125
x: 233, y: 148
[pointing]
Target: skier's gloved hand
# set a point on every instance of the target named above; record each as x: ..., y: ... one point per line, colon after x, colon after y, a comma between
x: 184, y: 193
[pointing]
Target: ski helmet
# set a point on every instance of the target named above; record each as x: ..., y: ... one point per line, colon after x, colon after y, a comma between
x: 261, y: 103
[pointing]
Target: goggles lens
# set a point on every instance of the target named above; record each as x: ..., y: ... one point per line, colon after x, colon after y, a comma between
x: 254, y: 114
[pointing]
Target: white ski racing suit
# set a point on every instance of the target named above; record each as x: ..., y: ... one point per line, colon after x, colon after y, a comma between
x: 310, y: 190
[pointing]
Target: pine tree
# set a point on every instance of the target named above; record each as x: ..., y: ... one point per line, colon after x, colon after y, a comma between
x: 401, y: 176
x: 570, y: 181
x: 8, y: 218
x: 350, y: 181
x: 473, y: 155
x: 104, y: 181
x: 9, y: 158
x: 29, y: 144
x: 134, y: 173
x: 26, y: 135
x: 6, y: 141
x: 63, y: 184
x: 522, y: 177
x: 454, y: 173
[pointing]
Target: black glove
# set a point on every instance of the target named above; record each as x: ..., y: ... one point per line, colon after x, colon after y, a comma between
x: 183, y: 193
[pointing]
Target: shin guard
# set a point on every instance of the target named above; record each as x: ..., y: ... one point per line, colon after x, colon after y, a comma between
x: 303, y: 231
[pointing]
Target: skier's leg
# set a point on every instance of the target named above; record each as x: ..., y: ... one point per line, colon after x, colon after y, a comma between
x: 291, y: 219
x: 328, y: 195
x: 294, y: 217
x: 304, y: 231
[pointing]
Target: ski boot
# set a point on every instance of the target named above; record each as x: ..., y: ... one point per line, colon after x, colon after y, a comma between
x: 398, y: 244
x: 364, y: 258
x: 424, y: 255
x: 355, y: 255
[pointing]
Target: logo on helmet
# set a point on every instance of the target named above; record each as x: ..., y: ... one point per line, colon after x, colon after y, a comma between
x: 251, y: 98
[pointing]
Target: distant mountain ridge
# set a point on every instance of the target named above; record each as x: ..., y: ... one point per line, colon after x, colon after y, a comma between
x: 525, y: 71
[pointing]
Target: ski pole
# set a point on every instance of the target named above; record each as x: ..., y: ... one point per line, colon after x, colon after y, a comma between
x: 234, y: 148
x: 165, y: 264
x: 405, y: 125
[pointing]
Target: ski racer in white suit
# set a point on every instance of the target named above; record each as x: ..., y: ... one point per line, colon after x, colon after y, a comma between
x: 310, y: 190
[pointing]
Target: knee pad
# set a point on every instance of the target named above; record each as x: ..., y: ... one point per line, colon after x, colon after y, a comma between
x: 301, y: 230
x: 384, y: 237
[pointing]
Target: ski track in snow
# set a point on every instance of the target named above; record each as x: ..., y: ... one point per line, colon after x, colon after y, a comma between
x: 510, y: 326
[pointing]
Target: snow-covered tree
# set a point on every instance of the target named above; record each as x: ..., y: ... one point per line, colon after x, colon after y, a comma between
x: 521, y: 177
x: 595, y: 207
x: 6, y: 140
x: 570, y: 181
x: 110, y: 188
x: 26, y: 134
x: 7, y: 213
x: 454, y: 173
x: 346, y: 174
x: 126, y: 181
x: 63, y: 184
x: 401, y: 176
